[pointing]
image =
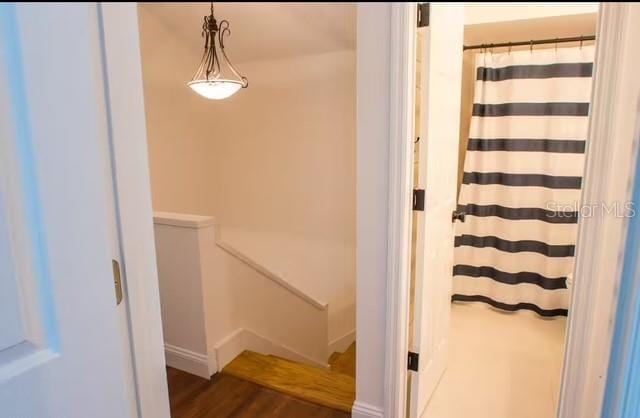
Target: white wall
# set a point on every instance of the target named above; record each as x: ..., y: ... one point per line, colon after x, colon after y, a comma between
x: 180, y: 278
x: 476, y: 13
x: 275, y: 164
x: 372, y: 190
x: 214, y: 306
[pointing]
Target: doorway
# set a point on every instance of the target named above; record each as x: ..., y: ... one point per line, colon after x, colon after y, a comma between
x: 254, y: 200
x: 506, y: 262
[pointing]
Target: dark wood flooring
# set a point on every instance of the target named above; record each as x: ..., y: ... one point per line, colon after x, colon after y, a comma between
x: 225, y: 396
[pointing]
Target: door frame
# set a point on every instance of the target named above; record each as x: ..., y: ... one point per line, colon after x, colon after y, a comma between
x: 122, y: 71
x: 589, y: 336
x: 401, y: 133
x: 609, y: 177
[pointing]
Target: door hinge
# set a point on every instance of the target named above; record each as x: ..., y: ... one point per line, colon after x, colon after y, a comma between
x: 117, y: 281
x: 413, y: 361
x: 418, y: 199
x: 423, y: 15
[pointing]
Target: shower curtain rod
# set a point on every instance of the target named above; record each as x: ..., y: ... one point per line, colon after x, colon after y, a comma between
x: 531, y: 43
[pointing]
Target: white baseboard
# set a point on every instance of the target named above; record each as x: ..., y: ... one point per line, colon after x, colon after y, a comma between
x: 244, y: 339
x: 363, y: 410
x: 188, y: 361
x: 340, y: 344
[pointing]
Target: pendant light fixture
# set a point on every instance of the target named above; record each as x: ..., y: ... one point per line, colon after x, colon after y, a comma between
x: 216, y: 78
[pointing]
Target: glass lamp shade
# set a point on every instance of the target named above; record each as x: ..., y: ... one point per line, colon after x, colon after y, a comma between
x: 215, y: 89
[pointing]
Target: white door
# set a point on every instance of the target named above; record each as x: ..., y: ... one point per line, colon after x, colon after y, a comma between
x: 441, y: 74
x: 61, y: 348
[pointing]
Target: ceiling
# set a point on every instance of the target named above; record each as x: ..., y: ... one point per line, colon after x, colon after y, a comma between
x: 264, y: 31
x: 267, y: 31
x: 527, y: 29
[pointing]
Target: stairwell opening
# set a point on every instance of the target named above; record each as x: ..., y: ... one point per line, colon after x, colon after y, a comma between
x: 254, y: 202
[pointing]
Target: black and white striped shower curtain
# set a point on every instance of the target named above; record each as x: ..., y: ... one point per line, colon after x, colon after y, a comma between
x: 522, y: 177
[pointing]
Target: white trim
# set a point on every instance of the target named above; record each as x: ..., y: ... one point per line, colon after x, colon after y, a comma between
x: 401, y: 128
x: 123, y: 78
x: 608, y: 178
x: 320, y: 305
x: 363, y: 410
x: 245, y: 339
x: 183, y: 220
x: 188, y: 361
x: 340, y: 344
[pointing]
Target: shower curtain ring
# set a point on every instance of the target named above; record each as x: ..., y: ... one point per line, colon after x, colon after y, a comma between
x: 509, y: 50
x: 531, y: 46
x: 581, y: 40
x: 556, y: 45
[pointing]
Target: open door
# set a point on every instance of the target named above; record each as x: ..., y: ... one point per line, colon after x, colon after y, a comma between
x: 61, y: 347
x: 441, y: 72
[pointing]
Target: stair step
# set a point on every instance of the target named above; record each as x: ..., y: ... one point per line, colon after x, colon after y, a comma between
x: 345, y: 363
x: 334, y: 357
x: 313, y: 384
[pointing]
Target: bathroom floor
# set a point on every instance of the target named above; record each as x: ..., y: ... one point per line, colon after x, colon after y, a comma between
x: 501, y: 365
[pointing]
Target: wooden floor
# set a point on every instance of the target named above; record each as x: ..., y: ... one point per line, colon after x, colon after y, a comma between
x: 227, y: 396
x: 322, y: 386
